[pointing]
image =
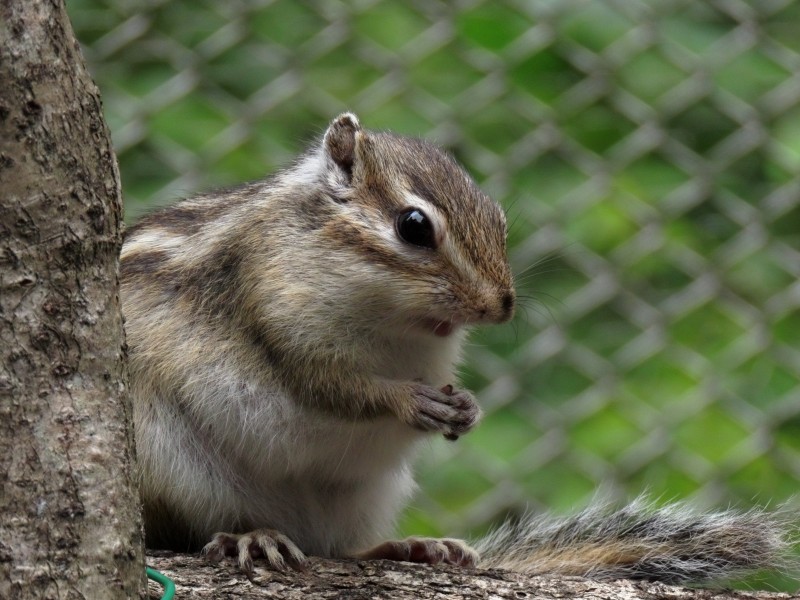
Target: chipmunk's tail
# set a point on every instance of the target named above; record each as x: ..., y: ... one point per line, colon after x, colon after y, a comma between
x: 674, y: 544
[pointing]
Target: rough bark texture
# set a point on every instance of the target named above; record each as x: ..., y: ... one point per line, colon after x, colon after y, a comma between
x: 196, y: 578
x: 69, y: 510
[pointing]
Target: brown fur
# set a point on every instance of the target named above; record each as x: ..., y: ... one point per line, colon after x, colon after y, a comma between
x: 259, y: 315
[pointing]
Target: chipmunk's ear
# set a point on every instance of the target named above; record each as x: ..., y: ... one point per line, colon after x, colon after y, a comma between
x: 340, y: 141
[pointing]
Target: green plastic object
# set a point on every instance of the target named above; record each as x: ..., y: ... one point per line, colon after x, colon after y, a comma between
x: 166, y: 582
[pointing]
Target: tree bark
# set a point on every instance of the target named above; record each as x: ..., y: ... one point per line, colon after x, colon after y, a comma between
x: 197, y: 579
x: 70, y: 522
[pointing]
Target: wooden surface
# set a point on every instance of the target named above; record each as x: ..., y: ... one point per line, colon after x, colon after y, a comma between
x: 197, y: 578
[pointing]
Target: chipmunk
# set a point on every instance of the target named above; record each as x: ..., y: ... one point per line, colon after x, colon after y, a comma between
x: 291, y: 343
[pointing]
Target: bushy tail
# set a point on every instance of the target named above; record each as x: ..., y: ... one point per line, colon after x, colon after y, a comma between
x: 674, y: 544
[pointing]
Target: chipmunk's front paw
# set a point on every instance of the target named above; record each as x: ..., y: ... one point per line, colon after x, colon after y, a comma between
x: 278, y: 550
x: 453, y: 412
x: 425, y: 550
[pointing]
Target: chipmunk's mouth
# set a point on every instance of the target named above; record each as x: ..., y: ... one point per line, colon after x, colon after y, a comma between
x: 443, y: 328
x: 438, y: 327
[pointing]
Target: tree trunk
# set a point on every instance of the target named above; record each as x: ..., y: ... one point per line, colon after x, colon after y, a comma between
x: 69, y: 511
x: 197, y: 579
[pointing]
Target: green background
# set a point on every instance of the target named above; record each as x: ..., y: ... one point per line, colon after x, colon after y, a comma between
x: 647, y: 153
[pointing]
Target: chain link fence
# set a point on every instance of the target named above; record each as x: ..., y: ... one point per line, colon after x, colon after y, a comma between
x: 648, y: 155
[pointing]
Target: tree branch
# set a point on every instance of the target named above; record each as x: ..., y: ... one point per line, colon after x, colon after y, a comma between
x: 197, y: 578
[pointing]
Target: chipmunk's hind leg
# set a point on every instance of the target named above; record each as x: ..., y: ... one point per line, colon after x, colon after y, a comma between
x: 432, y: 551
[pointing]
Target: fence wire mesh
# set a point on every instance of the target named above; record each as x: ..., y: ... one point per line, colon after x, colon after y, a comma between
x: 648, y: 154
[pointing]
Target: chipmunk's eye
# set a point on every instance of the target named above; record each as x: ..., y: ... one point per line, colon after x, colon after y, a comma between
x: 414, y: 227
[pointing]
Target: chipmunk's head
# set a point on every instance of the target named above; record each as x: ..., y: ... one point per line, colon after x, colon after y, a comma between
x: 431, y: 244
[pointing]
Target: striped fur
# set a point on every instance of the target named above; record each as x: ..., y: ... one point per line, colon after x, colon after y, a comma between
x: 283, y: 349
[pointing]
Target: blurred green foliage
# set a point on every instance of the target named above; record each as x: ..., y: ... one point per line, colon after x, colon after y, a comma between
x: 648, y: 156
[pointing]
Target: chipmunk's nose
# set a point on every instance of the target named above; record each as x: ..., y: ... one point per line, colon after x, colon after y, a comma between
x: 497, y: 306
x: 507, y: 303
